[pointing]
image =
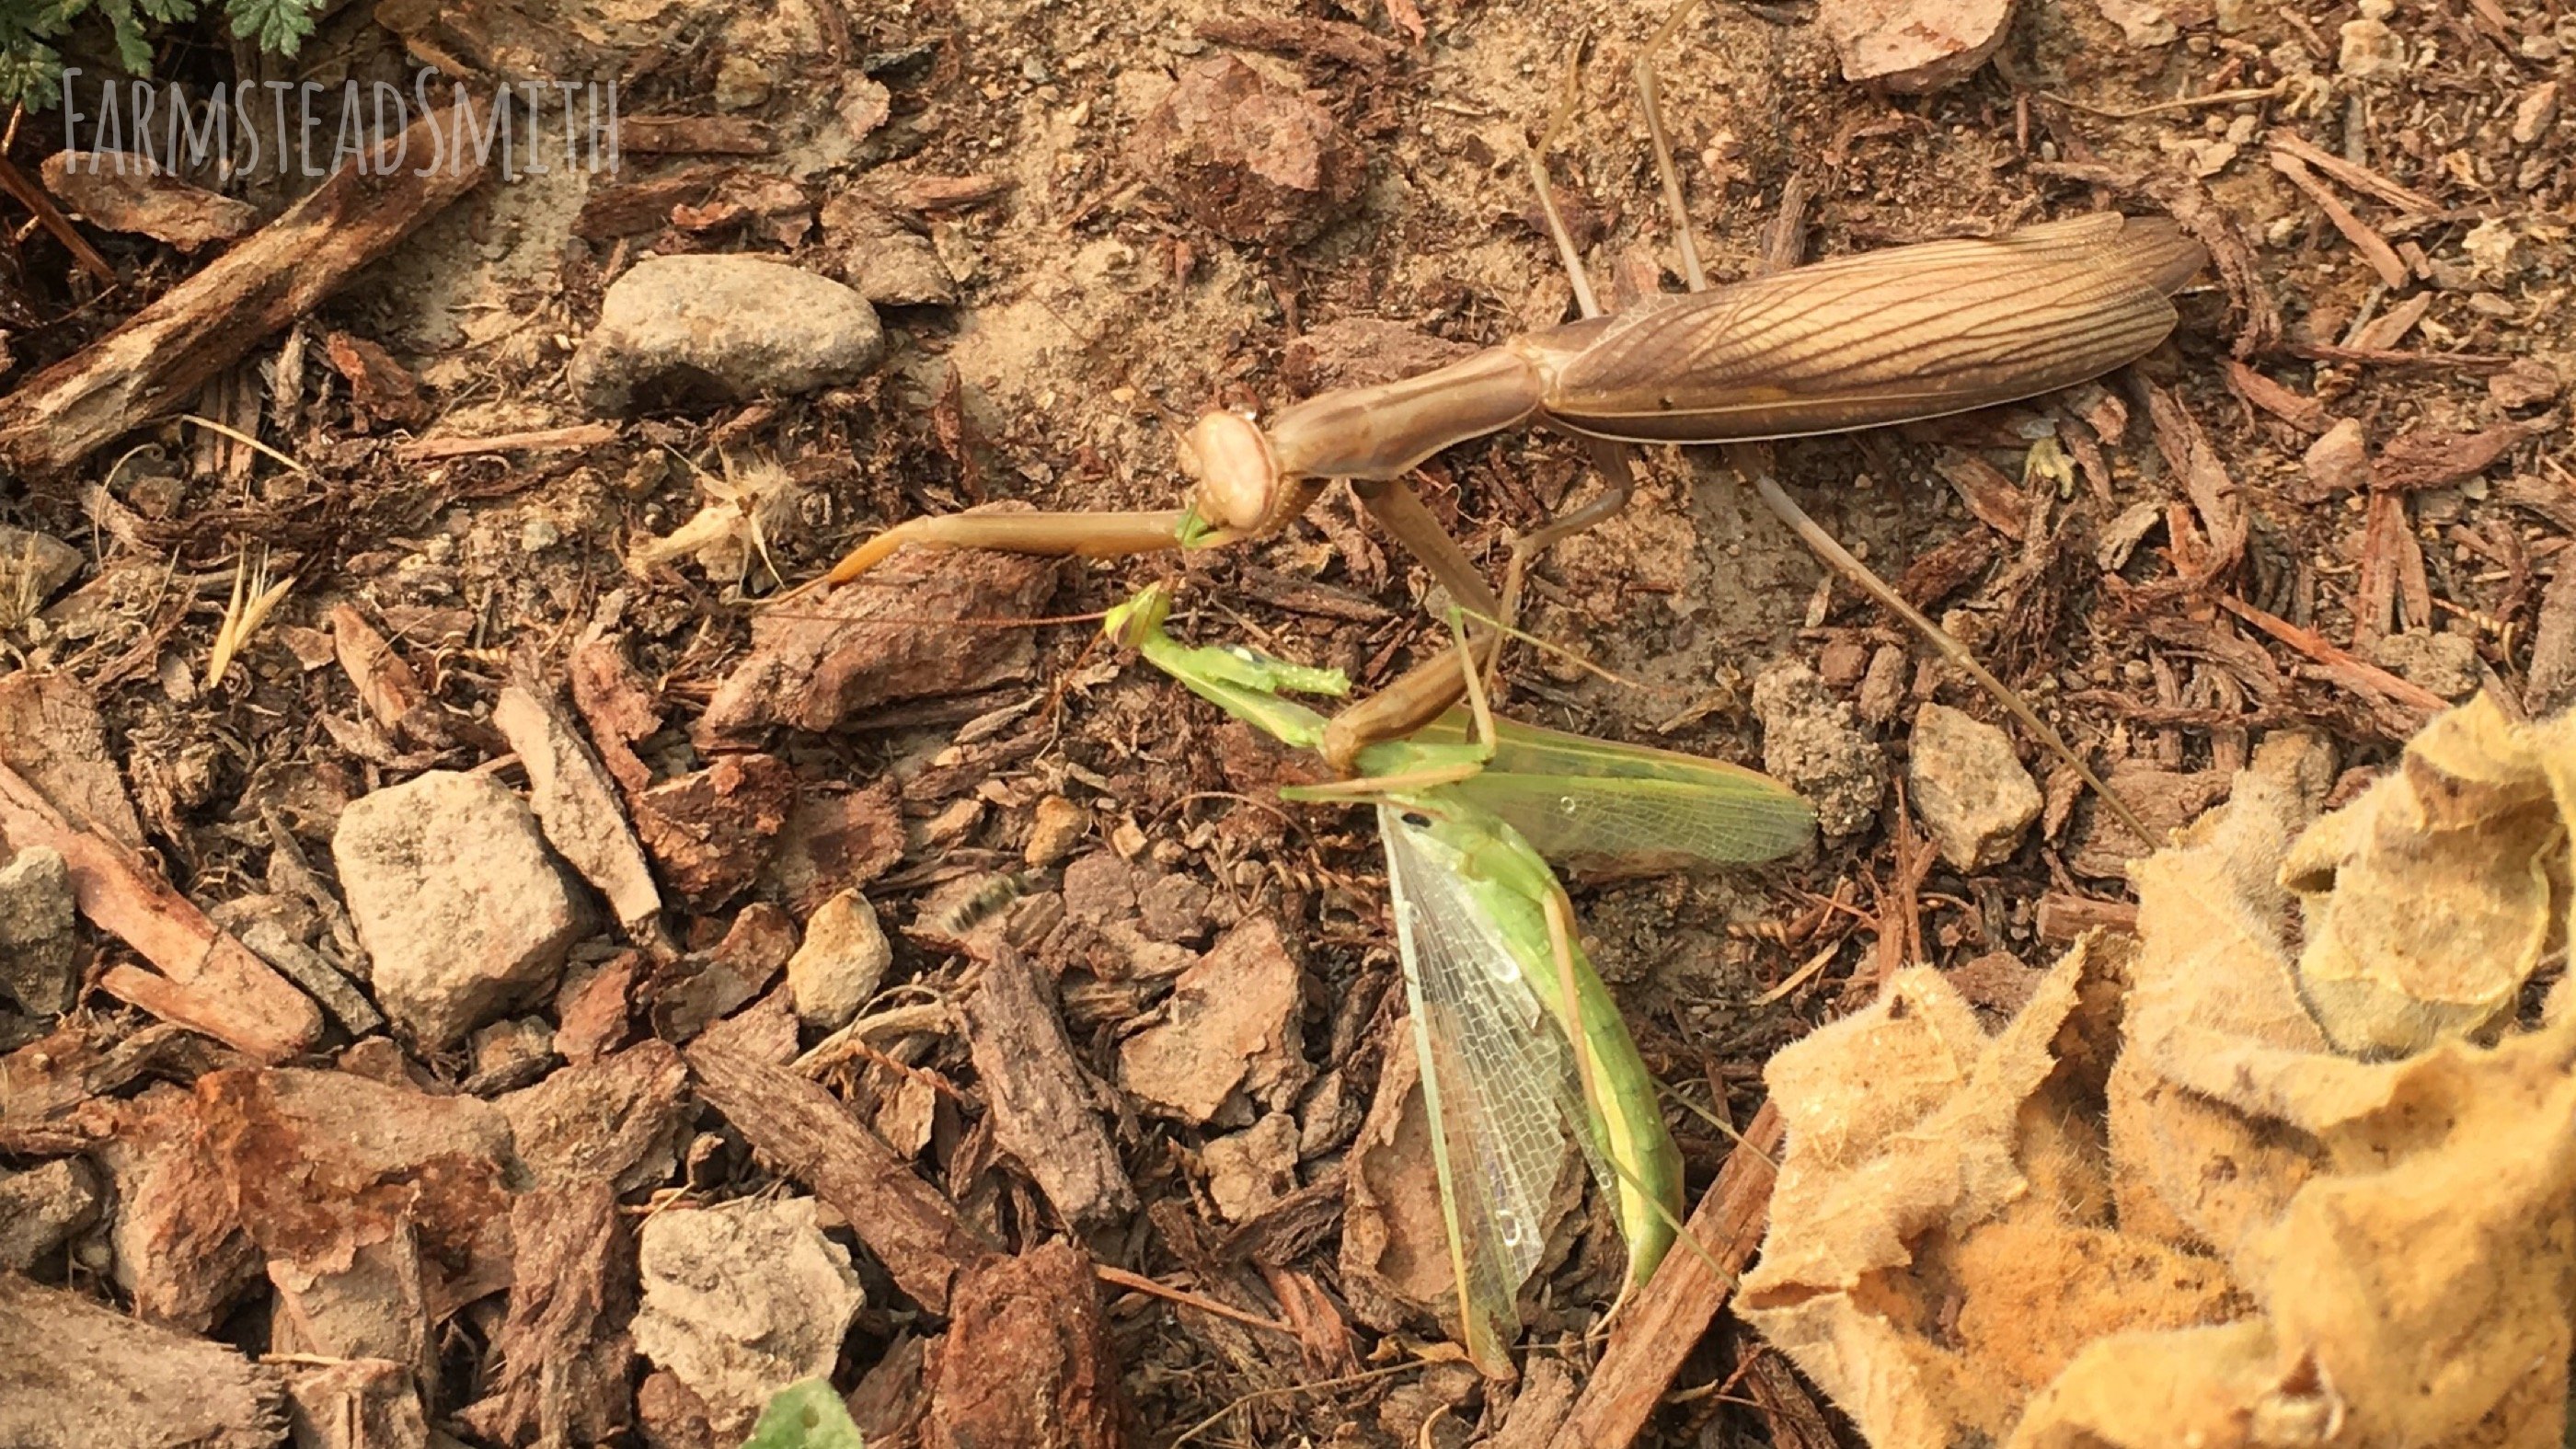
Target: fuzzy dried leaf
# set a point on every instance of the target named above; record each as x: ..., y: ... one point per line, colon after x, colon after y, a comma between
x: 1940, y: 1246
x: 2431, y: 898
x: 2236, y: 1235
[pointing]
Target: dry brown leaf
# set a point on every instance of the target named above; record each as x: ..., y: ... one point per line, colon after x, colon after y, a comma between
x: 2160, y: 1206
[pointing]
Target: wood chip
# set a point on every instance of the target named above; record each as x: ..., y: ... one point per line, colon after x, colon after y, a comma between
x: 179, y: 1243
x: 713, y: 831
x: 811, y: 1137
x: 2205, y: 480
x: 1914, y: 46
x: 2373, y: 247
x: 633, y: 207
x: 2551, y: 683
x: 132, y: 193
x: 2296, y: 408
x: 1230, y: 1026
x: 355, y: 1403
x: 380, y: 389
x: 386, y: 684
x: 2359, y: 178
x: 2404, y: 707
x: 2064, y: 918
x: 1666, y: 1321
x: 1993, y: 498
x: 931, y: 193
x: 616, y: 1121
x: 83, y: 1373
x: 52, y: 733
x: 576, y: 803
x: 325, y: 1165
x: 1028, y: 1360
x: 909, y: 629
x: 1338, y: 41
x: 693, y: 136
x: 211, y: 982
x: 1041, y: 1100
x: 543, y: 440
x: 562, y: 1347
x: 2389, y: 328
x: 2437, y: 458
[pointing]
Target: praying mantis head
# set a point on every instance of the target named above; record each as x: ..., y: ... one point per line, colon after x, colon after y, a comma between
x: 1241, y: 489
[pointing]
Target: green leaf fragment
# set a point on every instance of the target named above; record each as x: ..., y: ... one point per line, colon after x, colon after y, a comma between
x: 805, y: 1415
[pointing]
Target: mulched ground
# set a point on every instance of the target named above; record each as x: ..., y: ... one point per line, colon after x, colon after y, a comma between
x: 1131, y: 1003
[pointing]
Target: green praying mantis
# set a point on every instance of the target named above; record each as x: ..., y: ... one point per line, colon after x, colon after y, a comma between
x: 1520, y: 1045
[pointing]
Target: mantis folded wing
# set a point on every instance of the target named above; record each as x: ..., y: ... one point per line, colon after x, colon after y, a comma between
x: 1520, y: 1045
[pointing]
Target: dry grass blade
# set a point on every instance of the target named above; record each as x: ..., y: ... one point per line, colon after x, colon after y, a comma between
x: 254, y: 599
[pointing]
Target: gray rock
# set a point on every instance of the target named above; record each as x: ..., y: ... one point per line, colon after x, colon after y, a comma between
x: 1969, y: 788
x: 722, y: 328
x: 39, y: 954
x: 2446, y: 664
x: 42, y: 1207
x: 741, y: 1300
x: 461, y: 910
x: 33, y: 568
x: 1810, y: 742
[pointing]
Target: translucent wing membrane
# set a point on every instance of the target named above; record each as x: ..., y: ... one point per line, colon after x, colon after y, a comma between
x: 1881, y: 337
x: 1497, y: 1077
x: 1597, y: 801
x: 1644, y: 824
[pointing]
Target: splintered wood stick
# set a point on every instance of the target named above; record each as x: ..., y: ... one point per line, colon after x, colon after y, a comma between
x: 152, y: 365
x: 1668, y: 1319
x: 544, y: 440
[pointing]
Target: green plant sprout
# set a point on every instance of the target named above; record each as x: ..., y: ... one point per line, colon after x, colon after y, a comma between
x: 30, y: 67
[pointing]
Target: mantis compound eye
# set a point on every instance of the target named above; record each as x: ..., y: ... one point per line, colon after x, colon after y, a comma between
x: 1238, y: 479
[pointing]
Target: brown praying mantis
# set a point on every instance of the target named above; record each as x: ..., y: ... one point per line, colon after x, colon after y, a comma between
x: 1892, y: 336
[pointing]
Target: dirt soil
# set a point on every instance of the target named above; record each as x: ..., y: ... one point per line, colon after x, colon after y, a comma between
x: 2213, y: 561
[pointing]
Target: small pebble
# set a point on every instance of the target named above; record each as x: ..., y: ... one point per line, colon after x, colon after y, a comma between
x: 1811, y: 744
x: 1969, y: 788
x: 39, y: 951
x: 722, y: 328
x: 459, y: 905
x: 842, y: 961
x: 741, y: 83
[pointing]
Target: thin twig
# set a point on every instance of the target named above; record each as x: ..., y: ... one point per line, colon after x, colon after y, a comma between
x: 246, y: 440
x: 33, y: 197
x: 2180, y: 103
x: 1200, y: 1301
